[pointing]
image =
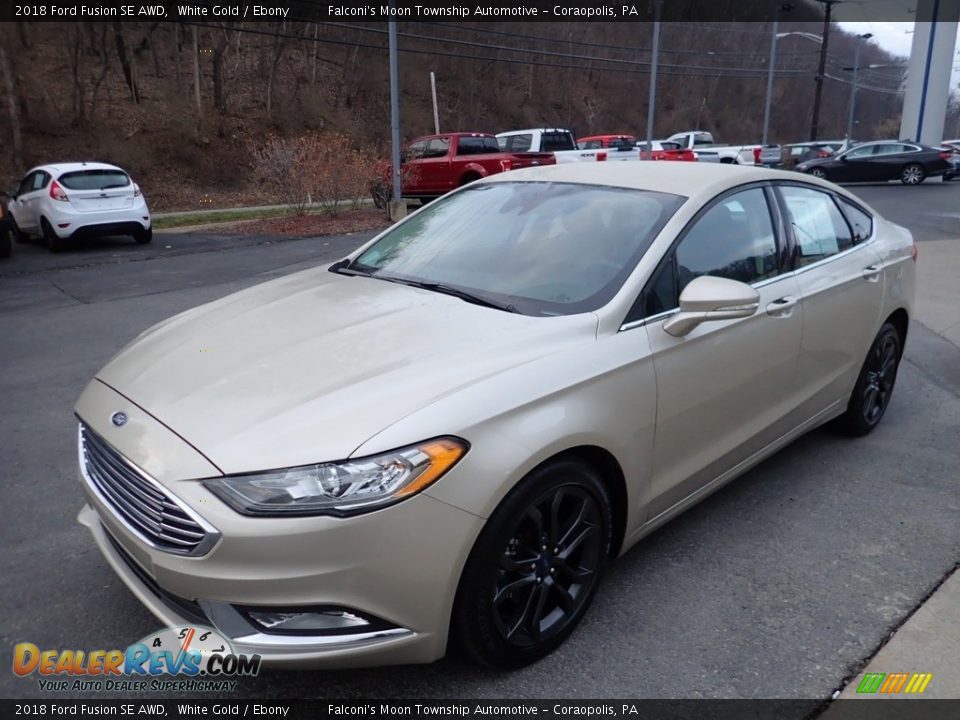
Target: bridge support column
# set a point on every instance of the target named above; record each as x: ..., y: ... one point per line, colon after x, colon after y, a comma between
x: 928, y: 79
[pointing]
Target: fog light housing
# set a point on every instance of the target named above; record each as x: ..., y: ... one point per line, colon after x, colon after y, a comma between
x: 312, y: 621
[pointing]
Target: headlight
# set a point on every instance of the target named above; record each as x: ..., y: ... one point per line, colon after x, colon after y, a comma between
x: 343, y: 488
x: 802, y: 167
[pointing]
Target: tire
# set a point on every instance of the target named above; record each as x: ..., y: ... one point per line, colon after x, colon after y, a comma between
x: 54, y: 243
x: 6, y: 244
x: 913, y: 174
x: 871, y: 395
x: 144, y: 237
x: 468, y: 178
x: 527, y: 582
x: 818, y: 173
x: 19, y: 236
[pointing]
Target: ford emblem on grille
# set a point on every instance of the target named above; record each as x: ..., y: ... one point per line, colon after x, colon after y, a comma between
x: 119, y: 418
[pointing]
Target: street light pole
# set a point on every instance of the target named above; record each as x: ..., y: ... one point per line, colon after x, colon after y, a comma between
x: 771, y: 63
x: 853, y: 85
x: 651, y: 102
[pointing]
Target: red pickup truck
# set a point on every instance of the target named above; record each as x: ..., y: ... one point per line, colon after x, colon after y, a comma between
x: 433, y: 165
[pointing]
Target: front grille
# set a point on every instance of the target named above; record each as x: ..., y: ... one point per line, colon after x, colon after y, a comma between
x: 141, y: 503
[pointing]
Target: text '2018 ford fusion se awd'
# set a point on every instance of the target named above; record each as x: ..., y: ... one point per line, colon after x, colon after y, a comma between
x: 444, y: 437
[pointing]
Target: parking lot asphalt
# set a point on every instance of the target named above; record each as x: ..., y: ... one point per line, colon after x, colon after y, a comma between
x: 780, y: 585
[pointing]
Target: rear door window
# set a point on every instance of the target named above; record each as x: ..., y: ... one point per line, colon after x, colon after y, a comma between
x: 94, y: 180
x: 477, y: 146
x: 819, y: 227
x: 556, y: 142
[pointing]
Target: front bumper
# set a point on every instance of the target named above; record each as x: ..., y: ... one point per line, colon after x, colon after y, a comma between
x: 400, y: 564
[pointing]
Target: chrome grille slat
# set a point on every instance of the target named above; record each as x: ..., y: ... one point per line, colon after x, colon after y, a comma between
x: 104, y: 456
x: 141, y: 504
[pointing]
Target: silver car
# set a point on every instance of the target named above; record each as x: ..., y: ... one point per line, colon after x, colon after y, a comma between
x: 445, y: 437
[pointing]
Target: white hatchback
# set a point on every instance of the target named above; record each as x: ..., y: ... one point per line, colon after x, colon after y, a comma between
x: 65, y: 201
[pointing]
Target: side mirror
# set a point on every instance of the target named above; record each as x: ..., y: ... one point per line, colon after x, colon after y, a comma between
x: 712, y: 298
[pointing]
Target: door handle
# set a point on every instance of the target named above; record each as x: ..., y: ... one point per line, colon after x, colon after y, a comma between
x: 782, y: 307
x: 871, y: 273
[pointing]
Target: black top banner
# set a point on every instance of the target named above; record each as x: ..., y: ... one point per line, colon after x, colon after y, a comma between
x: 209, y: 11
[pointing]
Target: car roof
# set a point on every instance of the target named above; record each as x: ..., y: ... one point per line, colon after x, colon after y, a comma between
x: 61, y: 168
x: 693, y: 180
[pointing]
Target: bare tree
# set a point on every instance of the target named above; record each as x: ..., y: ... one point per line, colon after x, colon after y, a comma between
x: 219, y: 92
x: 279, y: 43
x: 12, y: 104
x: 125, y: 62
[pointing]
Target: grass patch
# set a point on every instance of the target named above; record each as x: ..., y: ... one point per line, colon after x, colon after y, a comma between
x: 185, y: 219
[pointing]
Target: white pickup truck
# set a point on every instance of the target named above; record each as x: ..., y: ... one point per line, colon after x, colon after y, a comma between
x: 707, y: 150
x: 562, y: 144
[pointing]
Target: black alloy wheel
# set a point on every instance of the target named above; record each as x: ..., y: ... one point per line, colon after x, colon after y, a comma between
x: 874, y: 388
x: 819, y: 173
x: 535, y: 567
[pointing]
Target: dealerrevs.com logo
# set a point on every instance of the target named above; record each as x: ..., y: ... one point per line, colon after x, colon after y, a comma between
x: 200, y: 659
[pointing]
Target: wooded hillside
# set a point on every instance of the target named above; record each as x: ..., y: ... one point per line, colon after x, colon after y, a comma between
x: 182, y: 106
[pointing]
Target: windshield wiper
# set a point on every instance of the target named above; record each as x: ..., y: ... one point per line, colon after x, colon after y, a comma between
x: 453, y: 291
x: 344, y: 267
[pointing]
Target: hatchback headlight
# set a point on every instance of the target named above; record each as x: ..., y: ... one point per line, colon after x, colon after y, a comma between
x: 342, y: 488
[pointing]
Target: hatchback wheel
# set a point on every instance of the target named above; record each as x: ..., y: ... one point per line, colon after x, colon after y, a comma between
x: 913, y: 174
x: 871, y: 395
x: 143, y: 237
x: 819, y: 173
x: 54, y: 243
x: 19, y: 236
x: 535, y: 567
x: 6, y: 246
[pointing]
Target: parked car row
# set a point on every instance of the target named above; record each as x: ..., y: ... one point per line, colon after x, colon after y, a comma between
x: 433, y: 165
x: 61, y: 203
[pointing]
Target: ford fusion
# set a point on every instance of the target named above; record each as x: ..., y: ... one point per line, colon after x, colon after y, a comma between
x: 442, y: 439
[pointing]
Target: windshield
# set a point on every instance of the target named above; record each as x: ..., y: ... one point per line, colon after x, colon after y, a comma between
x: 542, y: 248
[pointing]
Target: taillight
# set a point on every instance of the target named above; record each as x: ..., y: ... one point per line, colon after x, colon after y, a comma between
x: 756, y: 155
x: 136, y: 190
x: 601, y: 156
x: 916, y: 251
x: 945, y: 154
x: 57, y: 193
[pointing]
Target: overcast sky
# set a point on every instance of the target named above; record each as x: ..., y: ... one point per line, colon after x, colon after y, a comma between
x: 897, y: 38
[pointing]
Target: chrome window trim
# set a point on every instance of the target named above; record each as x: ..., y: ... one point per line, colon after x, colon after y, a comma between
x: 211, y: 534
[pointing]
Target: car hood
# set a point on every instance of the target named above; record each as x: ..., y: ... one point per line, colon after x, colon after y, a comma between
x: 306, y: 368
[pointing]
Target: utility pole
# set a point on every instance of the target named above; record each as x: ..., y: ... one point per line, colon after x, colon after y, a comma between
x: 433, y: 91
x: 651, y: 102
x: 822, y: 69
